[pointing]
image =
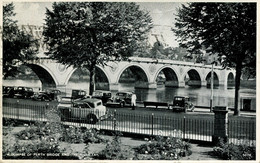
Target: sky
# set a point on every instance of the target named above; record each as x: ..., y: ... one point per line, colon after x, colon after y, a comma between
x: 162, y: 13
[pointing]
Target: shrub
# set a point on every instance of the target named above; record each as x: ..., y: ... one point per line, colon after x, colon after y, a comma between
x: 163, y: 148
x: 113, y: 150
x: 77, y: 135
x: 230, y: 151
x: 39, y: 131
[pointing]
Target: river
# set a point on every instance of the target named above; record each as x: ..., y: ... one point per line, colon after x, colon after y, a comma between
x: 199, y: 96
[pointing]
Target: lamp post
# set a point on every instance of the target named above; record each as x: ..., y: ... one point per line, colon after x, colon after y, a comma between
x: 223, y: 58
x: 211, y: 86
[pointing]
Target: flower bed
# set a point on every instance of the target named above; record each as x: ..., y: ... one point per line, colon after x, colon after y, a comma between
x: 230, y: 151
x: 55, y: 141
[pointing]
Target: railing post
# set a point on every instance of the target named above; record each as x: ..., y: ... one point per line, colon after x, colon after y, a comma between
x: 17, y: 109
x: 152, y: 123
x: 46, y: 109
x: 114, y: 120
x: 184, y: 126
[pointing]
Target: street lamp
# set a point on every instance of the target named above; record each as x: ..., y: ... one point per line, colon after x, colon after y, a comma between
x: 223, y: 57
x: 211, y: 85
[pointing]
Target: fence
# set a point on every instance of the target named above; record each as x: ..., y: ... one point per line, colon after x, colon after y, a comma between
x: 242, y: 132
x: 239, y: 131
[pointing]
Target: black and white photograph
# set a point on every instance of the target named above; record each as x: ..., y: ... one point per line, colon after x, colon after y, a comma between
x: 129, y: 80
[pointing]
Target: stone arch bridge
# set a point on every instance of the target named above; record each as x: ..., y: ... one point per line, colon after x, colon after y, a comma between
x: 145, y: 71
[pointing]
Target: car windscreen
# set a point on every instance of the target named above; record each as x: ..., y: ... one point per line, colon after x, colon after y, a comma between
x: 99, y: 103
x: 84, y: 105
x: 178, y: 99
x: 121, y: 94
x: 91, y: 104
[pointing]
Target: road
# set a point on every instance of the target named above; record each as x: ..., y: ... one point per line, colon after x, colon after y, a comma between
x: 196, y: 125
x: 199, y: 113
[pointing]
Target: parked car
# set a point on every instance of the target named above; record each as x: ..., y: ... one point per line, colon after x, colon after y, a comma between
x: 23, y: 92
x: 120, y: 99
x: 8, y: 91
x: 103, y: 95
x: 90, y: 110
x: 182, y: 103
x: 48, y: 95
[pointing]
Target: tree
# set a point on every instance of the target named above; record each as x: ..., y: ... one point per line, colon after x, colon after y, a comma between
x: 86, y: 34
x: 17, y: 45
x: 226, y: 29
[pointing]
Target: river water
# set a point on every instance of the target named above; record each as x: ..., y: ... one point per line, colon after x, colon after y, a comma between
x: 199, y: 96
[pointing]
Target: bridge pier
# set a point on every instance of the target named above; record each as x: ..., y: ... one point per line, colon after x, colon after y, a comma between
x: 113, y: 86
x: 224, y: 84
x: 181, y: 84
x: 152, y: 85
x: 204, y: 83
x: 62, y: 88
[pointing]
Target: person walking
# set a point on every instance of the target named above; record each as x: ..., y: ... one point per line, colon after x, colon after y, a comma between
x: 133, y: 101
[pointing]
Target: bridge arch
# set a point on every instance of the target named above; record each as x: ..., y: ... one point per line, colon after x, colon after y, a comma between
x: 208, y: 79
x: 195, y: 77
x: 230, y: 79
x: 171, y: 75
x: 45, y: 75
x: 139, y: 72
x: 104, y: 78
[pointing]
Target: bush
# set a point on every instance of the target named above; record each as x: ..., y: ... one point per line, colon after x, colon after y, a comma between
x: 78, y: 135
x: 230, y: 151
x: 113, y: 150
x: 38, y: 131
x: 163, y: 148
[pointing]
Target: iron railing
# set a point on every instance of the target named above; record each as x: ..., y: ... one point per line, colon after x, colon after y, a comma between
x: 242, y: 131
x: 239, y: 131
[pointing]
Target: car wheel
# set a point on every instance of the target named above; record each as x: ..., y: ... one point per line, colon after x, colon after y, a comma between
x: 92, y: 119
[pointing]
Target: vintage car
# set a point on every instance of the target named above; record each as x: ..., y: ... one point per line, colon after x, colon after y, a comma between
x: 120, y: 99
x: 88, y: 110
x: 182, y: 103
x: 48, y: 95
x: 8, y: 91
x: 23, y: 92
x: 103, y: 95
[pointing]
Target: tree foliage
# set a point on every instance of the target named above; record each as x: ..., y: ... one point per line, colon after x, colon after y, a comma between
x: 86, y: 34
x: 227, y: 29
x: 18, y: 46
